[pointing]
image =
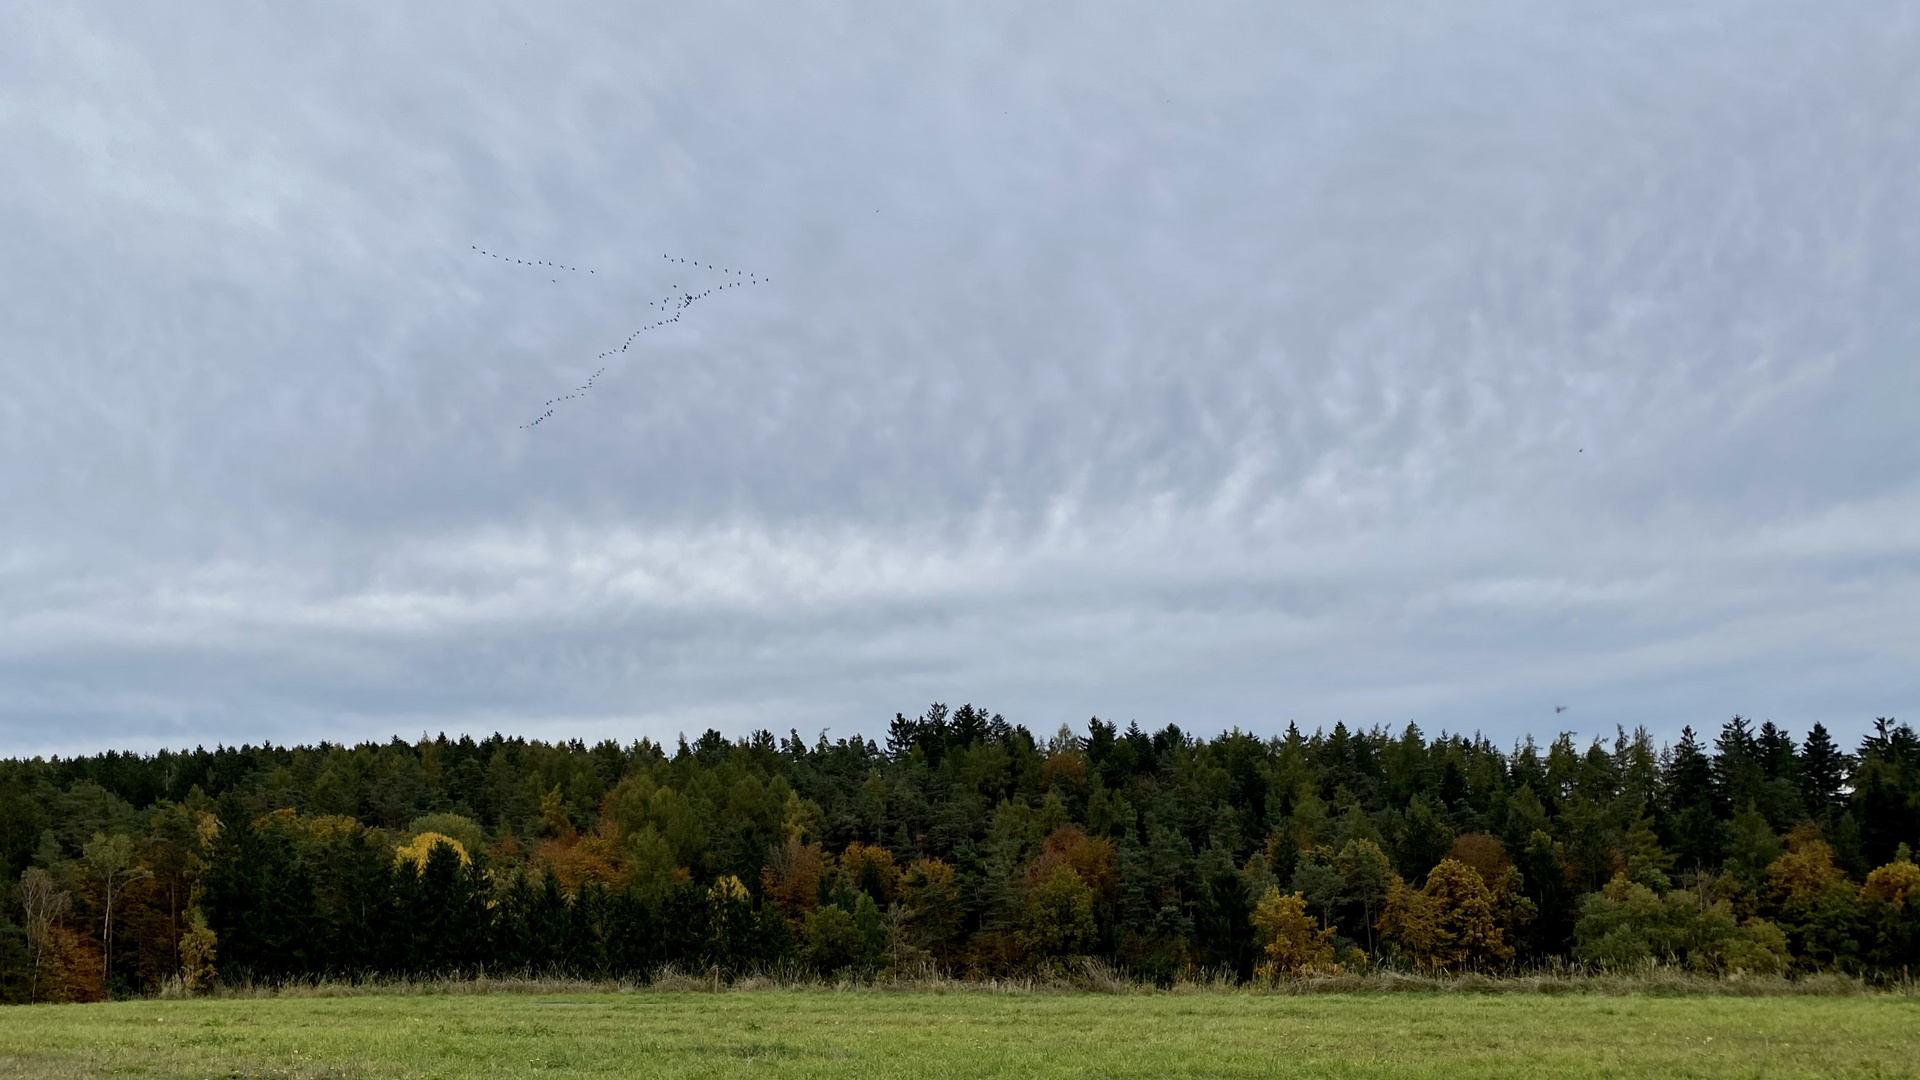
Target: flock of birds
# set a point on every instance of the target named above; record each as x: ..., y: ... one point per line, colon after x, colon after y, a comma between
x: 668, y: 310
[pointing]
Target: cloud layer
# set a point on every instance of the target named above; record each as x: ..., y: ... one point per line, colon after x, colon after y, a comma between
x: 1218, y: 366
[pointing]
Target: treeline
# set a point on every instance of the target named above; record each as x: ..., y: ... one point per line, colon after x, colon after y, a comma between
x: 962, y: 843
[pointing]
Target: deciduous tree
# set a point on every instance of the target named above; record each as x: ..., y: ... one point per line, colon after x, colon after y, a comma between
x: 109, y: 861
x: 1292, y: 941
x: 42, y: 902
x: 1450, y: 924
x: 1059, y: 915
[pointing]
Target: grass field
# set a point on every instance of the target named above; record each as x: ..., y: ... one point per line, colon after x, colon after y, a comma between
x: 928, y: 1036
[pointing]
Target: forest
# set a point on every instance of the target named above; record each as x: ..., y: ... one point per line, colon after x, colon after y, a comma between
x: 962, y: 844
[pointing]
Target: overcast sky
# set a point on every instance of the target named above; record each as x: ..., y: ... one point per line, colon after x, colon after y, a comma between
x: 1210, y: 364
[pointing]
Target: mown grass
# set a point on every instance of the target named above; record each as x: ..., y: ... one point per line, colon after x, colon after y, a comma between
x: 927, y: 1036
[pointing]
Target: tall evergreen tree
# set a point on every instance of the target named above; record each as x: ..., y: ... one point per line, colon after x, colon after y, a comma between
x: 261, y: 901
x: 1823, y: 773
x: 295, y: 862
x: 1886, y: 790
x: 1779, y: 759
x: 1738, y: 772
x: 1694, y: 829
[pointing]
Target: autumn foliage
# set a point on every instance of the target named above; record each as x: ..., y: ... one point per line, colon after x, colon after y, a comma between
x: 1291, y: 940
x: 962, y: 844
x: 1449, y: 924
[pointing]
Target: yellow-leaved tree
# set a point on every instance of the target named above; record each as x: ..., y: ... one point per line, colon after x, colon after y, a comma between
x: 1890, y: 913
x: 1294, y: 942
x: 870, y: 868
x: 43, y: 902
x: 422, y: 845
x: 729, y: 920
x: 1447, y: 925
x: 1896, y: 884
x: 198, y: 951
x: 1813, y: 901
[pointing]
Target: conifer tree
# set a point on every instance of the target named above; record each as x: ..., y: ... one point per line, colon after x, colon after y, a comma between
x: 1692, y: 824
x: 952, y: 840
x: 1823, y: 773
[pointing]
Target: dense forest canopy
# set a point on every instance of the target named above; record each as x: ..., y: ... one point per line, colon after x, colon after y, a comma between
x: 964, y: 843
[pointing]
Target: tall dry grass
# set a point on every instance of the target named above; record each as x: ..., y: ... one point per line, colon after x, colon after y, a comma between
x: 1089, y: 976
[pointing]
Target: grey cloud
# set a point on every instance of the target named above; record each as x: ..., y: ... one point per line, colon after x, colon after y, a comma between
x: 1221, y: 366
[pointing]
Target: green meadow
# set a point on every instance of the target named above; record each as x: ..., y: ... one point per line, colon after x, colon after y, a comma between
x: 925, y: 1036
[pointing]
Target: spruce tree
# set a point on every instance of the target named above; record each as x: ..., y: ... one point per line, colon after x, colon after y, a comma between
x: 1823, y: 773
x: 1693, y: 826
x: 1886, y: 790
x: 1778, y: 759
x: 1737, y: 770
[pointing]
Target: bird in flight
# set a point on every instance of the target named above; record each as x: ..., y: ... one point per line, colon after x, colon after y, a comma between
x: 1558, y: 709
x: 526, y: 262
x: 667, y: 311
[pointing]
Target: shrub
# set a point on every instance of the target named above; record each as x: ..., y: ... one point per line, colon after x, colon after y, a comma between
x: 1627, y: 925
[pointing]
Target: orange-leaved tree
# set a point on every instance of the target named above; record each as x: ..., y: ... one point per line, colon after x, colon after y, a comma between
x: 42, y: 901
x: 791, y: 878
x: 1487, y: 856
x: 1092, y: 857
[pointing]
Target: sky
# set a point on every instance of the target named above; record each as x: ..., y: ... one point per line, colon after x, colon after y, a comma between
x: 1218, y: 364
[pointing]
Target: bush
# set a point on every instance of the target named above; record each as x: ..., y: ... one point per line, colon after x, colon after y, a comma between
x: 1627, y: 925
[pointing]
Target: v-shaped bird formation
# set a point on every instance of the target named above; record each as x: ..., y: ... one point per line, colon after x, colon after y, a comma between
x: 666, y: 310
